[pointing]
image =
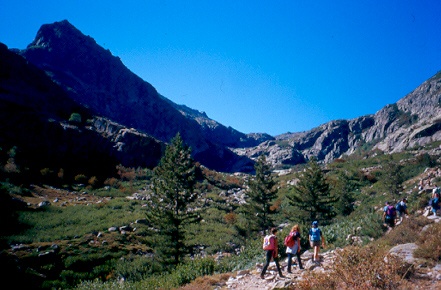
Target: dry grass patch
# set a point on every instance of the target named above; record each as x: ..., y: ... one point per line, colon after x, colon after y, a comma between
x: 368, y: 267
x: 207, y: 282
x: 429, y: 243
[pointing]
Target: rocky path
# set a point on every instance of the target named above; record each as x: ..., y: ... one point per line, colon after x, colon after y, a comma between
x: 250, y: 279
x: 426, y: 277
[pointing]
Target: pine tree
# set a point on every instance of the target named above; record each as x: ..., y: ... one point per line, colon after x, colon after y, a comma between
x: 393, y: 178
x: 261, y: 194
x: 172, y: 202
x: 311, y: 196
x: 343, y: 188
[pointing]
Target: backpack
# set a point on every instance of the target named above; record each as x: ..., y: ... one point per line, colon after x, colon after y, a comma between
x: 434, y: 201
x: 315, y: 234
x: 400, y: 207
x: 267, y: 245
x: 289, y: 240
x: 391, y: 212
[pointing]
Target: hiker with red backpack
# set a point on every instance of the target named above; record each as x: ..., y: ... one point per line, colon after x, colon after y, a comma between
x: 292, y: 243
x: 389, y: 215
x: 272, y: 252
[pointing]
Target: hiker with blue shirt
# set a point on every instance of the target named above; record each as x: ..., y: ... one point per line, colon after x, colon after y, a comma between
x: 402, y: 209
x: 315, y: 240
x: 434, y: 203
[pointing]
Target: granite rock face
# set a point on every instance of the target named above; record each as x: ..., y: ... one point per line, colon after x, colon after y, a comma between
x: 413, y: 121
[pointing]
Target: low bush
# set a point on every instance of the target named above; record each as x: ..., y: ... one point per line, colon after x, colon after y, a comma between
x: 429, y: 242
x: 369, y: 267
x: 406, y: 232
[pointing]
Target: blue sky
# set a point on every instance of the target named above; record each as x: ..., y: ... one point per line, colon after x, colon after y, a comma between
x: 257, y: 66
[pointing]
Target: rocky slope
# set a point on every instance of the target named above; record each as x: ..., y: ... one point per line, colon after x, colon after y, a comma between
x: 34, y: 118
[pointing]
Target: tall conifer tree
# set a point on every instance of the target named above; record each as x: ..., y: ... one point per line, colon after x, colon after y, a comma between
x: 312, y: 197
x: 261, y: 194
x: 172, y: 201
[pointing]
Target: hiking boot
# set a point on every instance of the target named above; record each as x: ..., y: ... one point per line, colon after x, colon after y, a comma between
x: 281, y: 276
x: 262, y: 276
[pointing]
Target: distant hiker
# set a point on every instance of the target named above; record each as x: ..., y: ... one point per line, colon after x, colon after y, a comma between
x: 271, y: 247
x: 389, y: 215
x: 436, y: 191
x: 292, y: 243
x: 402, y: 209
x: 421, y: 185
x: 434, y: 203
x: 315, y: 240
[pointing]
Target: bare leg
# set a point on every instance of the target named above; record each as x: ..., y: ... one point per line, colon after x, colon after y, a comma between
x: 316, y: 253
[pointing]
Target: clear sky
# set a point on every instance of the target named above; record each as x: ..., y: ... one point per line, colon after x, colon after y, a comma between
x: 257, y: 66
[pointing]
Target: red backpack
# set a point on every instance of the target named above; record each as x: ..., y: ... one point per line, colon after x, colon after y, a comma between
x: 267, y: 243
x: 289, y: 240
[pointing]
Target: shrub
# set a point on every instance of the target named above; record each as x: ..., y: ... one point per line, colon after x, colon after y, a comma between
x: 406, y: 232
x: 369, y: 267
x: 75, y: 118
x: 93, y: 181
x: 429, y: 243
x: 81, y: 178
x: 112, y: 182
x: 230, y: 218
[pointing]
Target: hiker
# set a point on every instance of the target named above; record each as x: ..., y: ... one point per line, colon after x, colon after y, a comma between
x: 271, y: 247
x: 434, y: 203
x: 402, y: 209
x: 293, y: 246
x: 315, y: 240
x: 389, y: 215
x: 436, y: 191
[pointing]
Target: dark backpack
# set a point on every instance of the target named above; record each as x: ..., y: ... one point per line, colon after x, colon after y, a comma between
x: 391, y: 212
x: 399, y: 207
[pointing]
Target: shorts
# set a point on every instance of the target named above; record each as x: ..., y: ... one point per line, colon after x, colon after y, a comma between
x: 315, y: 244
x: 390, y: 222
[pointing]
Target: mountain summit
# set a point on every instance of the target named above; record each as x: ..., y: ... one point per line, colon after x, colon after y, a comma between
x: 96, y: 79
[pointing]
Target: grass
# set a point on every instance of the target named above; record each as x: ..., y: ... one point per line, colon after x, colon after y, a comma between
x: 62, y: 223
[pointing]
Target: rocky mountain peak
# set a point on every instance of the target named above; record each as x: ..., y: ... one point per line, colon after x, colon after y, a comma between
x: 99, y: 81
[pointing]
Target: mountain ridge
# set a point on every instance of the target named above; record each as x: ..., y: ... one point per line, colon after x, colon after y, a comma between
x: 99, y: 82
